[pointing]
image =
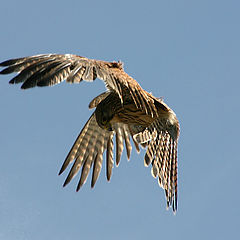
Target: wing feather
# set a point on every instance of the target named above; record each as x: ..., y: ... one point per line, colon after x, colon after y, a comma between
x: 127, y: 141
x: 89, y: 147
x: 85, y: 171
x: 119, y: 144
x: 91, y: 142
x: 162, y: 139
x: 75, y: 75
x: 109, y: 157
x: 96, y: 168
x: 51, y: 69
x: 19, y: 64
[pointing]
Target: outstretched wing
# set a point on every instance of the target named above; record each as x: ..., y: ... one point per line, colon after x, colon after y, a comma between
x: 161, y: 140
x: 88, y: 150
x: 50, y: 69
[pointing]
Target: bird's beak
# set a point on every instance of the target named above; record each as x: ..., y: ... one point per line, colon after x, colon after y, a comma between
x: 108, y: 127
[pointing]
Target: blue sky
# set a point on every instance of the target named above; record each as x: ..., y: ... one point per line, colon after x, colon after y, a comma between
x: 184, y: 51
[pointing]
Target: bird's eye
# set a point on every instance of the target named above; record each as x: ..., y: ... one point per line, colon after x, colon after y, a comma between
x: 104, y: 120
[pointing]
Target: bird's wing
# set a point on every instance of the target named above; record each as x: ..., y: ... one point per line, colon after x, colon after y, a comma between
x: 161, y: 141
x: 98, y: 99
x: 88, y: 149
x: 51, y: 69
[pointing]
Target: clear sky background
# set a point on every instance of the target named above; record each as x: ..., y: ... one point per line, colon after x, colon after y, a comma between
x: 187, y: 52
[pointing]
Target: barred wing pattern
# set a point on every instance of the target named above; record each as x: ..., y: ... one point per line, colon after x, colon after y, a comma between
x: 50, y: 69
x: 162, y: 154
x: 88, y: 149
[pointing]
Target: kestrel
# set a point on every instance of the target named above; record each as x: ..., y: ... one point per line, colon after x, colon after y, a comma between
x: 124, y: 110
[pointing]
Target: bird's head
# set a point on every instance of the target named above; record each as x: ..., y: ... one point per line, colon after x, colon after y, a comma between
x: 103, y: 116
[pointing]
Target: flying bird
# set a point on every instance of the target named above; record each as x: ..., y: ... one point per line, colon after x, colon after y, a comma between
x: 125, y: 111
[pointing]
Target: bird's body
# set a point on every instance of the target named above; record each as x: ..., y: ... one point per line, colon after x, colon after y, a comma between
x: 124, y: 110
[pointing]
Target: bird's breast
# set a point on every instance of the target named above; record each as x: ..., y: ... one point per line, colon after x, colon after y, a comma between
x: 130, y: 114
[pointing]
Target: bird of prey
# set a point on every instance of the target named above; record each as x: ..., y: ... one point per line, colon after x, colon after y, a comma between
x: 124, y: 110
